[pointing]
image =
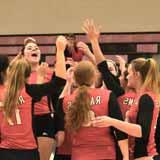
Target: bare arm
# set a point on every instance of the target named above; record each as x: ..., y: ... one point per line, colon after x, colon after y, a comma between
x: 67, y: 88
x: 60, y: 70
x: 129, y: 128
x: 123, y: 144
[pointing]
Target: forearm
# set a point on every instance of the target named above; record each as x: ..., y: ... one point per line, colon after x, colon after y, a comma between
x: 66, y: 91
x: 60, y: 64
x: 90, y: 56
x: 97, y: 51
x: 123, y: 144
x: 129, y: 128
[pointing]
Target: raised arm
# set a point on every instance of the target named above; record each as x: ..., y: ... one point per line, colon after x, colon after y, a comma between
x: 87, y: 52
x: 57, y: 81
x: 93, y: 34
x: 60, y: 70
x: 110, y: 80
x: 121, y: 62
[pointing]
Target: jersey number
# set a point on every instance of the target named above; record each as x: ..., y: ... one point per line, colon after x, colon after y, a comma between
x: 18, y: 117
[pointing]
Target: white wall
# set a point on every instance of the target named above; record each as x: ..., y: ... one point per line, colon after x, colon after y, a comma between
x: 59, y: 16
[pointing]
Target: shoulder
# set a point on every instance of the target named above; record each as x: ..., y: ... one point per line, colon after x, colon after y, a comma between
x: 146, y: 97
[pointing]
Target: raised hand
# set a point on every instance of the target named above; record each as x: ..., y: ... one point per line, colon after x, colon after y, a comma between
x: 69, y: 76
x: 121, y: 62
x: 61, y: 43
x: 83, y: 47
x: 87, y: 52
x: 42, y: 70
x: 91, y: 30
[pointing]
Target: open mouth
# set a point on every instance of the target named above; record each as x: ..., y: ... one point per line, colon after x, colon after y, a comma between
x: 34, y: 55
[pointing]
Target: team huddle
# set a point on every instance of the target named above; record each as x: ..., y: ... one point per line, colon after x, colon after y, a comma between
x: 86, y: 107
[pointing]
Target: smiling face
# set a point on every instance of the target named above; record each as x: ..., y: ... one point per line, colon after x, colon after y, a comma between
x: 32, y: 53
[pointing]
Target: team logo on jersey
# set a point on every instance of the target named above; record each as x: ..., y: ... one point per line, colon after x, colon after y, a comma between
x: 128, y: 101
x: 94, y: 101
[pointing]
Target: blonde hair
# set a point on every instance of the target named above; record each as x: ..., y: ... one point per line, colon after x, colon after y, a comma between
x: 78, y: 112
x: 18, y: 71
x: 148, y: 69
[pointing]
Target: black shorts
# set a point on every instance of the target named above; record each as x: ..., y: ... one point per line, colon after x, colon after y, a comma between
x: 44, y: 125
x: 62, y: 157
x: 13, y: 154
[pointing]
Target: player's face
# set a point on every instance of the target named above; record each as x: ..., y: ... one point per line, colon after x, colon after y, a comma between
x: 32, y: 53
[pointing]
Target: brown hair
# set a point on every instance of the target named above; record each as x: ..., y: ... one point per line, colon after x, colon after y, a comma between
x: 29, y: 40
x: 148, y: 70
x: 78, y: 112
x: 18, y: 71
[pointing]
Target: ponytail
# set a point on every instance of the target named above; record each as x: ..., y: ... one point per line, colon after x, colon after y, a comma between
x: 151, y: 80
x: 149, y: 72
x: 78, y: 113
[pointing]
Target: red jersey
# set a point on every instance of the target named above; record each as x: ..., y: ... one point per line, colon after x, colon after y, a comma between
x: 132, y: 114
x: 126, y: 101
x: 40, y: 107
x: 90, y: 143
x: 18, y: 134
x: 66, y: 147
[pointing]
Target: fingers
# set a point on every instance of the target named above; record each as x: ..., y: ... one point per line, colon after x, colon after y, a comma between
x: 90, y: 29
x: 44, y: 64
x: 61, y: 43
x: 119, y: 58
x: 92, y: 26
x: 42, y: 68
x: 85, y: 29
x: 61, y: 39
x: 99, y: 124
x: 88, y: 26
x: 82, y: 45
x: 101, y: 121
